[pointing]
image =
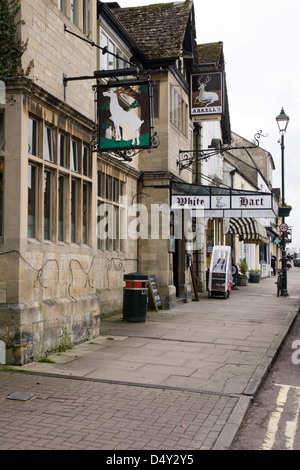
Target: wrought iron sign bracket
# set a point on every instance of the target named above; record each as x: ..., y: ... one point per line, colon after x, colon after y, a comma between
x: 188, y: 157
x: 127, y: 154
x: 116, y: 73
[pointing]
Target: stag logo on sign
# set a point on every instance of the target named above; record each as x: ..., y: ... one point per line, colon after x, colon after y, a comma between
x: 205, y: 98
x: 206, y: 94
x: 124, y: 117
x: 120, y: 116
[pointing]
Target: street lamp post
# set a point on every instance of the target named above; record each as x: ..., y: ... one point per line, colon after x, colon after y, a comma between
x: 282, y: 121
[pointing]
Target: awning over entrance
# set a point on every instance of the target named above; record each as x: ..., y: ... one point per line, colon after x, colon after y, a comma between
x: 249, y: 230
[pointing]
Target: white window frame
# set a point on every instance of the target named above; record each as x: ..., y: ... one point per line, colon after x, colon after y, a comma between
x: 112, y: 197
x: 33, y: 232
x: 108, y: 61
x: 47, y: 231
x: 48, y: 143
x: 33, y: 136
x: 75, y: 152
x: 2, y: 131
x: 86, y: 17
x: 178, y: 110
x: 74, y: 12
x: 62, y: 6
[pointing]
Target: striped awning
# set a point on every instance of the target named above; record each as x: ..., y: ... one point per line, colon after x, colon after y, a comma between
x: 249, y: 230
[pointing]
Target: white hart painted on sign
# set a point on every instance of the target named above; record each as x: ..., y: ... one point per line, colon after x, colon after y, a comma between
x: 120, y: 116
x: 206, y: 97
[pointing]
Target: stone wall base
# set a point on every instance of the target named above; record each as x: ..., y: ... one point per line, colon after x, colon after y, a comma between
x: 110, y: 300
x: 30, y: 331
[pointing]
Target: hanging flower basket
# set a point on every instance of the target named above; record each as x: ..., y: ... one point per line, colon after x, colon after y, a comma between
x: 284, y: 211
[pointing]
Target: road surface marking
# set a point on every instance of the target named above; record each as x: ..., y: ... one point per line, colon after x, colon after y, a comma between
x: 275, y: 417
x: 291, y: 426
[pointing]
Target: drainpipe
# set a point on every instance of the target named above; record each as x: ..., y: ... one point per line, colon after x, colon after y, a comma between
x: 198, y: 135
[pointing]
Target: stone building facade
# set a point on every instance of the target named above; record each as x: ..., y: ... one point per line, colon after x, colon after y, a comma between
x: 57, y: 275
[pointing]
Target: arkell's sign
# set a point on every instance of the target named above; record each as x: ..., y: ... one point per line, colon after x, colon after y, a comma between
x: 222, y: 202
x: 124, y: 116
x: 206, y: 94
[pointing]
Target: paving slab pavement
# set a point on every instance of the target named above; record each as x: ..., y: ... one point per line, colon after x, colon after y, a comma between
x: 214, y: 352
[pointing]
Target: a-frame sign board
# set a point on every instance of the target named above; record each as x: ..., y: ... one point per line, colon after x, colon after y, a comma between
x: 154, y: 292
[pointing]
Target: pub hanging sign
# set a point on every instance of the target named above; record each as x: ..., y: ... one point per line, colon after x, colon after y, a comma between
x: 124, y: 116
x: 206, y: 94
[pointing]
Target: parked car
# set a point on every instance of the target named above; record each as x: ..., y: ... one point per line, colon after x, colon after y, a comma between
x: 296, y: 259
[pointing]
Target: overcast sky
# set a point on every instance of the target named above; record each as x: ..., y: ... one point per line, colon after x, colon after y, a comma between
x: 261, y: 40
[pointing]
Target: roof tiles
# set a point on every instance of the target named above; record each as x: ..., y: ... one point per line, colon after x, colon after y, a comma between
x: 158, y: 29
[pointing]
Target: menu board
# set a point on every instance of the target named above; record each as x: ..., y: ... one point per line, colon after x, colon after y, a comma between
x: 154, y: 291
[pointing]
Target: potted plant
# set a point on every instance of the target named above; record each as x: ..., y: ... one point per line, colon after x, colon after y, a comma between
x: 254, y: 275
x: 243, y: 269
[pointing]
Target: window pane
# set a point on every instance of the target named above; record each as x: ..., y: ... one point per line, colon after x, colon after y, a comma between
x: 47, y: 205
x: 86, y: 161
x: 48, y: 144
x: 74, y: 12
x: 171, y: 103
x: 99, y: 235
x: 74, y: 155
x: 155, y: 89
x: 122, y: 228
x: 103, y: 57
x: 61, y: 208
x: 74, y: 205
x: 177, y: 110
x: 108, y: 184
x: 115, y: 229
x: 32, y: 137
x: 111, y: 58
x: 85, y: 212
x: 32, y: 203
x: 62, y: 150
x: 100, y: 184
x: 1, y: 131
x: 62, y: 5
x: 115, y: 190
x: 119, y: 63
x: 1, y: 197
x: 86, y: 16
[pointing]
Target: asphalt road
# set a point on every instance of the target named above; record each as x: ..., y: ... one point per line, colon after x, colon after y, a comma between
x: 273, y: 421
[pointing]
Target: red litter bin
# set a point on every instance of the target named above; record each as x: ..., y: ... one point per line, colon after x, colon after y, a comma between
x: 135, y: 299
